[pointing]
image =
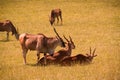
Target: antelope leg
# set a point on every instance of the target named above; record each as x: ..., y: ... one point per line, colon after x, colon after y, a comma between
x: 7, y: 35
x: 38, y: 56
x: 45, y: 59
x: 24, y: 55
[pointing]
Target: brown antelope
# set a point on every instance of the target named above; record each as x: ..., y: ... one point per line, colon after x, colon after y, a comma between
x: 40, y: 43
x: 79, y: 58
x: 59, y: 55
x: 8, y: 26
x: 55, y: 13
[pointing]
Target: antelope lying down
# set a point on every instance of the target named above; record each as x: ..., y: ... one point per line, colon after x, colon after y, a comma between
x: 79, y: 58
x: 40, y: 43
x: 59, y: 55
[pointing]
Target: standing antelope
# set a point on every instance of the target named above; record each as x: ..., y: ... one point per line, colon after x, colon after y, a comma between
x: 40, y: 43
x: 55, y: 13
x: 79, y: 58
x: 8, y: 26
x: 59, y: 55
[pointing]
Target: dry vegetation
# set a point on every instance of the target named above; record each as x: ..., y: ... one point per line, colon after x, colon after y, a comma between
x: 94, y: 23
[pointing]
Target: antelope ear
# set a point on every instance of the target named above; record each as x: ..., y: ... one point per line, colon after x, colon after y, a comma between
x: 87, y: 54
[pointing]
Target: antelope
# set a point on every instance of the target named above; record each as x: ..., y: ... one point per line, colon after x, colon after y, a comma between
x: 8, y: 26
x: 59, y: 55
x: 40, y: 43
x: 79, y: 58
x: 55, y: 13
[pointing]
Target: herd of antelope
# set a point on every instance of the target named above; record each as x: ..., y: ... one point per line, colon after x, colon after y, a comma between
x: 43, y: 44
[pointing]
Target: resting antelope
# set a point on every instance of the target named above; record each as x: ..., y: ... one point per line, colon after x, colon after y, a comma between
x: 55, y: 13
x: 59, y: 55
x: 8, y: 26
x: 79, y: 58
x: 40, y: 43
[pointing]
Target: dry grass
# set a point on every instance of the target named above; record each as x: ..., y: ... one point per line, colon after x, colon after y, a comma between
x: 93, y: 23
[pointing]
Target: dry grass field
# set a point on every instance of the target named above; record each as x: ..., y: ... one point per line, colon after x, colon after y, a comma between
x: 94, y: 23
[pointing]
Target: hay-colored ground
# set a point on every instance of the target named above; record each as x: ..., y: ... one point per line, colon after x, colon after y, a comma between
x: 94, y: 23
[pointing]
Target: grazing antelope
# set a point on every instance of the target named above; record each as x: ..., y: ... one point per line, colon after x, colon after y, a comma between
x: 8, y: 26
x: 79, y: 58
x: 40, y: 43
x: 59, y: 55
x: 55, y: 13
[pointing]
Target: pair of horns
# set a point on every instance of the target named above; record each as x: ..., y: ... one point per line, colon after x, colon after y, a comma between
x: 93, y: 51
x: 67, y: 39
x: 56, y: 33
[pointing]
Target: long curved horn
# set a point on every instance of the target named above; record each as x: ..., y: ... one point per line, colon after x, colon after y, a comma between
x: 66, y: 38
x: 90, y: 50
x: 56, y: 32
x: 94, y: 51
x: 63, y: 43
x: 70, y: 39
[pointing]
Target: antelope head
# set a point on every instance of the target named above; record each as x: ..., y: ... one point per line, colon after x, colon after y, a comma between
x: 61, y: 40
x: 52, y: 20
x: 91, y: 55
x: 69, y: 46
